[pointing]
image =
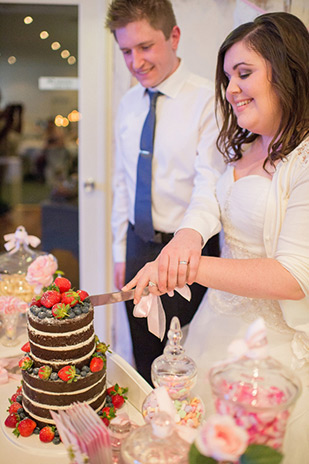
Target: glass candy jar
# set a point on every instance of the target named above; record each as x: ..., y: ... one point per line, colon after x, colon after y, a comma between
x: 259, y: 394
x: 177, y: 373
x: 15, y: 292
x: 156, y: 442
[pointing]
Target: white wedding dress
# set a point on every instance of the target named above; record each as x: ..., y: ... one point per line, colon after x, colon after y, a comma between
x: 222, y: 317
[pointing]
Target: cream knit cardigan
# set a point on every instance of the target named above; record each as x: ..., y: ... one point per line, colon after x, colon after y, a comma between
x: 286, y: 237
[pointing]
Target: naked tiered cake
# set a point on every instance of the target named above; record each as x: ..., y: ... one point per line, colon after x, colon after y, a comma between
x: 65, y: 361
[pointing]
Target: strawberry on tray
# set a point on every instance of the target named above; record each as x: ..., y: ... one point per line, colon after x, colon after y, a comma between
x: 24, y: 426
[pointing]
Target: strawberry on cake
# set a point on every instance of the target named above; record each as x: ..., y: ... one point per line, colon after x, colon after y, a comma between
x: 64, y: 362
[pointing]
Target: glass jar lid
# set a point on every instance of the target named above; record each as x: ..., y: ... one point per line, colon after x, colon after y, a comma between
x: 174, y: 370
x: 156, y: 443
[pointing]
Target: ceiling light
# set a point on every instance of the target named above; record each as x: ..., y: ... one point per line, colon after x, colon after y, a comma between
x: 55, y: 45
x: 65, y: 54
x: 28, y: 20
x: 12, y: 60
x: 71, y: 60
x: 73, y: 116
x: 44, y: 35
x: 58, y: 120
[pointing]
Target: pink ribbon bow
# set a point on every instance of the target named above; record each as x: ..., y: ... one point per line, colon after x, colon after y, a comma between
x: 19, y: 237
x: 151, y: 307
x: 253, y: 346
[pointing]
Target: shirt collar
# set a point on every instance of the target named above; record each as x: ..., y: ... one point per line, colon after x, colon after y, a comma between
x: 172, y: 85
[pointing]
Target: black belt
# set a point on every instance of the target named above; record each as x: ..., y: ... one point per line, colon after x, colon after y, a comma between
x: 159, y: 237
x: 162, y: 237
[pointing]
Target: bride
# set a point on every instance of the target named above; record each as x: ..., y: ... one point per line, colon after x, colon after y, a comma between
x: 262, y: 83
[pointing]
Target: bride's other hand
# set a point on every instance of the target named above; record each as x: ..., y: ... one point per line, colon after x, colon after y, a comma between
x: 147, y: 276
x: 179, y: 260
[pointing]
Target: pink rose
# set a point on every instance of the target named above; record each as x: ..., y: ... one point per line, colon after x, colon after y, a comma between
x: 221, y: 439
x: 41, y: 271
x: 12, y: 305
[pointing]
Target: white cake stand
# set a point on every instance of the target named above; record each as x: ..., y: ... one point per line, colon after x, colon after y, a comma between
x: 29, y: 450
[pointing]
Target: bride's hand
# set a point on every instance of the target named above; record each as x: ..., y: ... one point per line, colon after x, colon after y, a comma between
x: 179, y: 260
x: 147, y: 276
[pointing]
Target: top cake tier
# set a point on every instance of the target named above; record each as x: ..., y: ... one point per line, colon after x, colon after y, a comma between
x: 58, y: 342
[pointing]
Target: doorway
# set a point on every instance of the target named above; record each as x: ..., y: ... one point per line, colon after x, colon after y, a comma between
x: 94, y: 151
x: 39, y: 122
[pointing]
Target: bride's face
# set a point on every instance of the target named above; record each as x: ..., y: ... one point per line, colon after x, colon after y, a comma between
x: 250, y: 91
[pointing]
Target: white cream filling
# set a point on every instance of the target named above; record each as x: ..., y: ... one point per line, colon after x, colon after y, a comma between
x: 64, y: 347
x: 51, y: 421
x: 76, y: 392
x: 66, y: 361
x: 59, y: 334
x: 54, y: 408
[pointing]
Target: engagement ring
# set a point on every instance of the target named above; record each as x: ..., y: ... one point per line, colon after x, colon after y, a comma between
x: 151, y: 284
x: 183, y: 262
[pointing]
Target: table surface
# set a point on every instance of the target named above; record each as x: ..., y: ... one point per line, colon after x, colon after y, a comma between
x: 31, y: 449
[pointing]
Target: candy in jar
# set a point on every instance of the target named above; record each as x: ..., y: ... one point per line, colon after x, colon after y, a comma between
x: 256, y: 390
x: 15, y: 292
x: 177, y: 373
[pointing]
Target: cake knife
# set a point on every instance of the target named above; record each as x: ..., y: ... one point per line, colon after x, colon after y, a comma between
x: 115, y: 297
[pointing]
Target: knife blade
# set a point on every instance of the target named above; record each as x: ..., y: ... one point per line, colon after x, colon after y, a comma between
x: 115, y: 297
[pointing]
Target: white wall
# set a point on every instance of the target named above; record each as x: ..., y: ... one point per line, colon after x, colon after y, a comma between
x: 204, y: 25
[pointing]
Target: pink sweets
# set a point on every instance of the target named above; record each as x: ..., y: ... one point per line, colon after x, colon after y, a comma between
x: 263, y: 412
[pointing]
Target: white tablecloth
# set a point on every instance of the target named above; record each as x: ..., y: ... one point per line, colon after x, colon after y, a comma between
x: 31, y: 450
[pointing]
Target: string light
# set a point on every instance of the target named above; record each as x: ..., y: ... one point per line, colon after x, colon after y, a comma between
x: 73, y: 116
x: 58, y: 120
x: 28, y: 20
x: 71, y: 60
x: 65, y: 54
x: 44, y: 35
x: 55, y: 46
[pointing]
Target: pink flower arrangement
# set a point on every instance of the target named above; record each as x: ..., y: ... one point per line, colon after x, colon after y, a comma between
x: 41, y: 271
x: 220, y: 439
x: 12, y: 305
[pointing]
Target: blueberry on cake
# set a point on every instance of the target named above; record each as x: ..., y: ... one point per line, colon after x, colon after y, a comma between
x: 65, y: 362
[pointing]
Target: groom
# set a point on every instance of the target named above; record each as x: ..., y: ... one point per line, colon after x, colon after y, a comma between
x: 184, y: 159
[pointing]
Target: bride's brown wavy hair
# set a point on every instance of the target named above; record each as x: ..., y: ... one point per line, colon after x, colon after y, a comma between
x: 283, y: 40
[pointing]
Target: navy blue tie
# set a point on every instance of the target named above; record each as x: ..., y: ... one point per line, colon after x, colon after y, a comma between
x: 143, y: 216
